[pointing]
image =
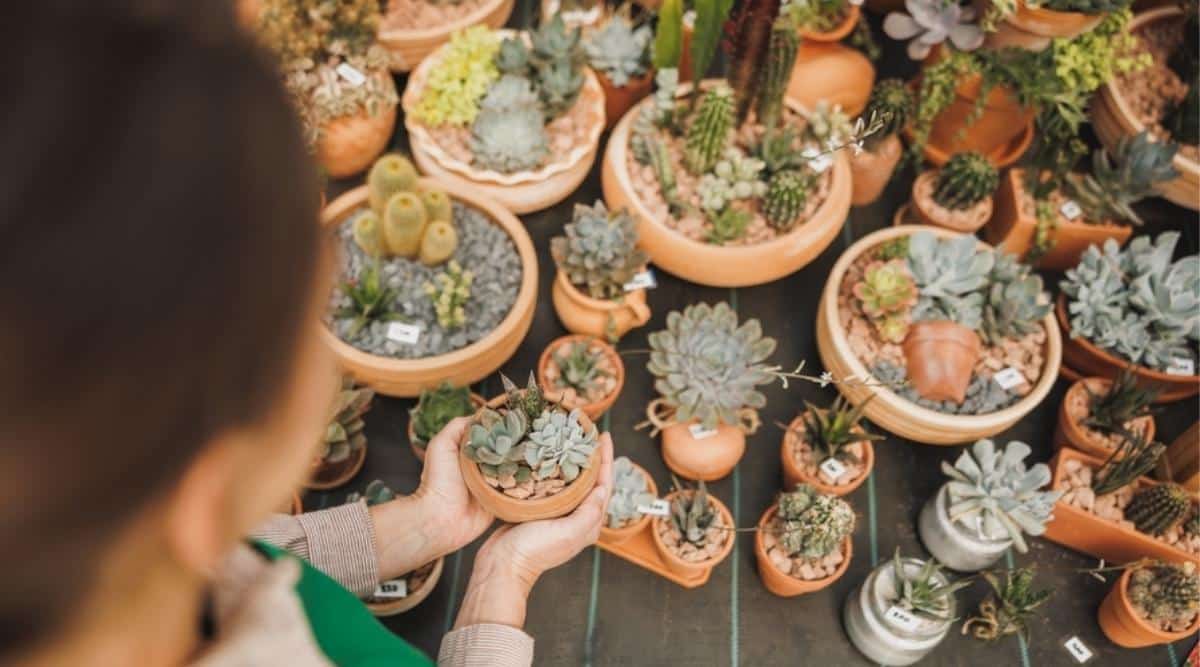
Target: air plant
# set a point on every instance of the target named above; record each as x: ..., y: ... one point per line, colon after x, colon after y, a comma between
x: 1009, y: 608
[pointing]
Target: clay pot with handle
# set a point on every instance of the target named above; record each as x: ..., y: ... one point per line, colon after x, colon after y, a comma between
x: 600, y: 318
x: 940, y: 356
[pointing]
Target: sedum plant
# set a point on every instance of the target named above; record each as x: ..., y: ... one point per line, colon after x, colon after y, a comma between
x: 813, y: 524
x: 375, y: 493
x: 829, y: 430
x: 598, y: 251
x: 509, y: 141
x: 559, y: 443
x: 966, y: 180
x: 344, y: 430
x: 437, y: 407
x: 628, y: 492
x: 1124, y: 178
x: 1166, y: 593
x: 1134, y: 456
x: 1157, y: 509
x: 370, y: 301
x: 922, y: 594
x: 620, y: 50
x: 450, y: 291
x: 886, y: 295
x: 462, y: 77
x: 1010, y: 607
x: 1123, y: 402
x: 692, y: 514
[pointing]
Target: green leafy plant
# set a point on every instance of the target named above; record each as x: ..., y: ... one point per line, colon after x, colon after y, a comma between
x: 923, y: 594
x: 437, y: 407
x: 450, y: 291
x: 1159, y: 508
x: 829, y: 430
x: 1125, y: 178
x: 598, y: 251
x: 966, y: 179
x: 1124, y: 401
x: 1010, y: 608
x: 560, y: 443
x: 1133, y: 457
x: 344, y: 428
x: 813, y: 524
x: 370, y: 301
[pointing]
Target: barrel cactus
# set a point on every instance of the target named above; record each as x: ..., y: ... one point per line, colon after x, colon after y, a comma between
x: 628, y: 492
x: 1157, y: 509
x: 786, y: 196
x: 1167, y: 593
x: 599, y: 250
x: 390, y: 174
x: 509, y: 141
x: 814, y: 524
x: 966, y: 180
x: 559, y: 442
x: 709, y: 129
x: 892, y: 104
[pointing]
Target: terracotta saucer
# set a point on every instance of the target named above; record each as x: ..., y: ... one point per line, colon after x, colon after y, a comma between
x: 640, y: 551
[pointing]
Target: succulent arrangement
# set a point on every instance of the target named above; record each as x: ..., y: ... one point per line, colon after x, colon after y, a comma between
x: 1118, y: 181
x: 437, y: 407
x: 966, y: 180
x: 813, y: 524
x: 923, y: 594
x: 1166, y: 593
x: 598, y: 250
x: 344, y: 429
x: 1124, y: 401
x: 620, y: 50
x: 629, y: 491
x: 829, y: 430
x: 375, y: 493
x: 1010, y: 608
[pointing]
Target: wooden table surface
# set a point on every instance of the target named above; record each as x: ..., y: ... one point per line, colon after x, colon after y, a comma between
x: 601, y: 610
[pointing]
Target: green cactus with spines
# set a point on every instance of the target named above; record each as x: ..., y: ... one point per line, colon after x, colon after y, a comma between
x: 1166, y: 592
x: 1183, y: 121
x: 814, y: 524
x: 438, y: 243
x: 787, y: 195
x: 777, y: 70
x: 709, y: 130
x: 437, y: 407
x: 891, y: 102
x: 391, y: 173
x: 965, y: 180
x: 368, y: 234
x: 438, y: 205
x: 1157, y: 509
x: 404, y: 221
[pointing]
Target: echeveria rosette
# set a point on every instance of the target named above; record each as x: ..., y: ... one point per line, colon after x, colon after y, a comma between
x: 559, y: 441
x: 931, y: 22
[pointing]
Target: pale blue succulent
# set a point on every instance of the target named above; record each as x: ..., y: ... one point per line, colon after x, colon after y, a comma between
x: 931, y: 22
x: 558, y: 441
x: 628, y: 492
x: 951, y: 275
x: 736, y: 176
x: 619, y: 50
x: 509, y: 141
x: 511, y: 93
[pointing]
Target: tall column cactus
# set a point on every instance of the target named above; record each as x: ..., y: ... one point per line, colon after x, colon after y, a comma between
x: 709, y: 130
x: 781, y: 56
x: 749, y: 35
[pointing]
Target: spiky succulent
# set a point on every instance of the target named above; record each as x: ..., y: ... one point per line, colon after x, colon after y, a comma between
x: 629, y: 491
x: 496, y: 443
x: 829, y: 125
x: 1134, y: 456
x: 599, y: 250
x: 965, y: 180
x: 993, y: 493
x: 892, y: 103
x: 1166, y: 592
x: 1015, y: 301
x: 1159, y: 508
x: 375, y: 493
x: 780, y: 149
x: 709, y: 130
x: 1009, y: 608
x: 371, y: 300
x: 344, y: 430
x: 1124, y: 401
x: 707, y: 367
x: 950, y: 275
x: 449, y: 292
x: 692, y: 514
x: 579, y: 366
x: 1119, y: 181
x: 620, y: 50
x: 559, y: 442
x: 813, y: 524
x: 437, y: 407
x: 786, y: 196
x: 509, y: 141
x: 529, y: 400
x: 926, y: 594
x: 829, y: 430
x: 511, y: 93
x: 554, y: 42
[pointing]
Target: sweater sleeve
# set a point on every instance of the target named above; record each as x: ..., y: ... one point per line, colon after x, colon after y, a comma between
x: 486, y: 645
x: 339, y: 542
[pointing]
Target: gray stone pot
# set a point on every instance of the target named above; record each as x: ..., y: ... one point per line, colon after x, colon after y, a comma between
x: 876, y: 633
x: 953, y: 544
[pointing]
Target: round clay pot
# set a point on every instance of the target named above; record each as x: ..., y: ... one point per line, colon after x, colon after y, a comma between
x: 832, y: 72
x: 330, y: 476
x: 1069, y: 432
x: 723, y: 266
x: 405, y: 378
x: 414, y: 598
x: 1124, y: 627
x: 999, y: 126
x: 838, y: 33
x: 794, y: 473
x: 785, y: 585
x: 418, y: 447
x: 707, y: 459
x: 622, y: 535
x: 520, y: 192
x: 888, y: 409
x: 513, y: 510
x: 940, y: 356
x: 1083, y: 359
x: 592, y: 410
x: 408, y: 46
x: 926, y: 211
x: 1113, y: 118
x: 598, y: 318
x: 1033, y: 28
x: 619, y: 99
x: 678, y: 565
x: 871, y: 170
x: 348, y: 145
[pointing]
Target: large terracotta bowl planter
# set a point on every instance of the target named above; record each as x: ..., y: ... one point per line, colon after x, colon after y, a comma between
x: 1033, y: 28
x: 1070, y: 433
x: 599, y: 318
x: 723, y: 266
x: 684, y: 568
x: 408, y: 47
x: 794, y: 474
x: 831, y: 72
x: 1124, y: 627
x: 785, y: 585
x: 888, y: 409
x: 1113, y: 118
x: 1083, y: 359
x: 519, y: 192
x: 595, y: 409
x: 1001, y: 133
x: 348, y: 145
x: 414, y: 598
x: 405, y: 378
x: 418, y: 447
x: 623, y: 535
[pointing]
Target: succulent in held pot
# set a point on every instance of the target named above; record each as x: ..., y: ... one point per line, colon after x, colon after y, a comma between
x: 391, y: 173
x: 692, y: 514
x: 370, y: 301
x: 922, y: 594
x: 1168, y: 593
x: 949, y: 274
x: 931, y: 22
x: 707, y: 367
x: 495, y: 443
x: 619, y: 50
x: 1015, y: 301
x: 629, y: 491
x: 1157, y: 509
x: 886, y: 294
x: 829, y: 430
x: 509, y: 141
x: 786, y: 197
x: 1124, y: 401
x: 559, y: 442
x: 1123, y: 179
x: 599, y: 250
x: 709, y: 129
x: 344, y: 430
x: 892, y: 103
x: 966, y: 179
x: 1009, y: 608
x: 375, y: 493
x: 437, y: 407
x: 814, y: 524
x: 529, y: 400
x: 450, y: 291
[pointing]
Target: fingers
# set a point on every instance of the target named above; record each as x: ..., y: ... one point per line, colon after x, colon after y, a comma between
x: 449, y: 437
x: 605, y: 476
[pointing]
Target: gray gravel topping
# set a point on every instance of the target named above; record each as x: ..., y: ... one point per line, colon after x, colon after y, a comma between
x: 983, y: 395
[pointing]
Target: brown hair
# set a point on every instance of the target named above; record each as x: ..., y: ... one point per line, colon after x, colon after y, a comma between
x: 158, y: 246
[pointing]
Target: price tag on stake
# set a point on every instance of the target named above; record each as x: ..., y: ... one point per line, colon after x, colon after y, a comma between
x: 394, y: 589
x: 1009, y: 378
x: 904, y: 619
x: 660, y: 507
x: 1078, y: 650
x: 641, y: 280
x: 1181, y: 366
x: 351, y: 74
x: 833, y: 467
x: 1070, y: 210
x: 699, y: 432
x: 399, y: 332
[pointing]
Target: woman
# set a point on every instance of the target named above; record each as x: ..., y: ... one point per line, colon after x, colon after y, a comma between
x: 162, y: 383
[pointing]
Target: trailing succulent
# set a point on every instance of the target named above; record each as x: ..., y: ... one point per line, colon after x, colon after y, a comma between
x: 344, y: 429
x: 813, y: 524
x: 966, y: 180
x: 629, y: 491
x: 1124, y: 178
x: 1167, y: 593
x: 1010, y: 608
x: 598, y: 251
x: 923, y: 594
x: 620, y: 50
x: 437, y: 407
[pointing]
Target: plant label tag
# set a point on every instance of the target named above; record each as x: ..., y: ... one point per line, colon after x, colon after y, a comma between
x: 903, y: 619
x: 1070, y: 210
x: 699, y: 432
x: 1181, y: 366
x: 351, y: 74
x: 660, y: 507
x: 392, y: 590
x: 400, y: 332
x: 1009, y: 378
x: 1078, y: 650
x: 641, y: 280
x: 833, y: 467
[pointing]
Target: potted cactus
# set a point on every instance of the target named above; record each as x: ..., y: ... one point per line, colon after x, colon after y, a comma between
x: 434, y: 409
x: 632, y: 488
x: 337, y: 77
x: 803, y: 541
x: 1097, y: 414
x: 412, y: 29
x: 619, y: 53
x: 408, y: 312
x: 1152, y: 603
x: 901, y: 611
x: 892, y: 103
x: 958, y: 196
x: 1134, y: 306
x: 707, y: 368
x: 828, y: 448
x: 1010, y: 608
x: 990, y: 501
x: 344, y: 444
x: 585, y: 372
x: 526, y: 458
x: 514, y: 116
x: 697, y: 534
x: 598, y: 258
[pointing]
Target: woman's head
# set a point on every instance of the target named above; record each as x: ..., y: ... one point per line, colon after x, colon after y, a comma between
x: 160, y: 270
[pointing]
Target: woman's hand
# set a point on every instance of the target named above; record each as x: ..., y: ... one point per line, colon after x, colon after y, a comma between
x: 513, y: 558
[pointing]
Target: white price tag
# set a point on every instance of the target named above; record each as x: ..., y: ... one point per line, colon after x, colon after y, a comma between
x: 351, y: 74
x: 400, y: 332
x: 391, y: 590
x: 1181, y: 366
x: 660, y: 507
x: 1009, y: 378
x: 904, y: 619
x: 1078, y: 650
x: 833, y: 467
x: 642, y: 280
x: 699, y: 432
x: 1070, y: 210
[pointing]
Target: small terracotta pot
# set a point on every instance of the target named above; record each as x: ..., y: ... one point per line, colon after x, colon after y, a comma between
x: 592, y: 410
x: 1086, y: 360
x: 418, y: 447
x: 707, y: 459
x: 926, y: 211
x: 623, y: 535
x: 348, y: 145
x: 794, y: 473
x: 619, y: 99
x: 940, y: 356
x: 414, y: 598
x: 838, y: 33
x: 1033, y: 28
x: 598, y: 318
x: 785, y: 585
x: 1000, y: 125
x: 1069, y: 432
x: 872, y: 170
x: 1125, y: 627
x: 831, y: 72
x: 330, y: 476
x: 677, y: 564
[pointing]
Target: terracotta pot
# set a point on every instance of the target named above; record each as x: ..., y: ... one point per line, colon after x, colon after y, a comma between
x: 1113, y: 118
x: 348, y: 145
x: 999, y: 126
x: 618, y: 100
x: 407, y: 47
x: 1033, y: 28
x: 520, y: 192
x: 598, y: 318
x: 417, y: 446
x: 414, y: 598
x: 871, y: 170
x: 1087, y: 533
x: 831, y: 72
x: 926, y: 211
x: 785, y: 585
x: 889, y: 410
x: 721, y: 266
x: 838, y: 33
x: 512, y: 510
x: 709, y: 458
x: 794, y: 473
x: 1070, y: 433
x: 1083, y: 359
x: 1181, y: 462
x: 405, y: 378
x: 1013, y: 227
x: 330, y: 476
x: 1125, y: 627
x: 678, y: 565
x: 597, y: 408
x: 622, y: 535
x: 246, y: 13
x: 940, y: 356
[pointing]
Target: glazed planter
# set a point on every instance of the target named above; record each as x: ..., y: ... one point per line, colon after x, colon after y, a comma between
x: 926, y: 211
x: 599, y: 318
x: 941, y: 355
x: 1033, y: 28
x: 408, y: 46
x: 1087, y: 533
x: 950, y: 543
x: 785, y: 585
x: 1125, y: 627
x: 619, y: 99
x: 684, y: 568
x: 1070, y: 433
x: 613, y: 536
x: 405, y: 378
x: 1181, y: 462
x: 415, y: 443
x: 414, y: 598
x: 881, y: 638
x: 1001, y: 132
x: 871, y: 170
x: 1113, y: 118
x: 519, y: 192
x: 1083, y: 359
x: 723, y: 266
x: 894, y: 413
x: 832, y: 72
x: 594, y: 409
x: 794, y: 474
x: 1013, y: 227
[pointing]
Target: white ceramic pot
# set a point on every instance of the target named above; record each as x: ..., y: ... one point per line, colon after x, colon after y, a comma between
x: 953, y: 544
x: 878, y: 634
